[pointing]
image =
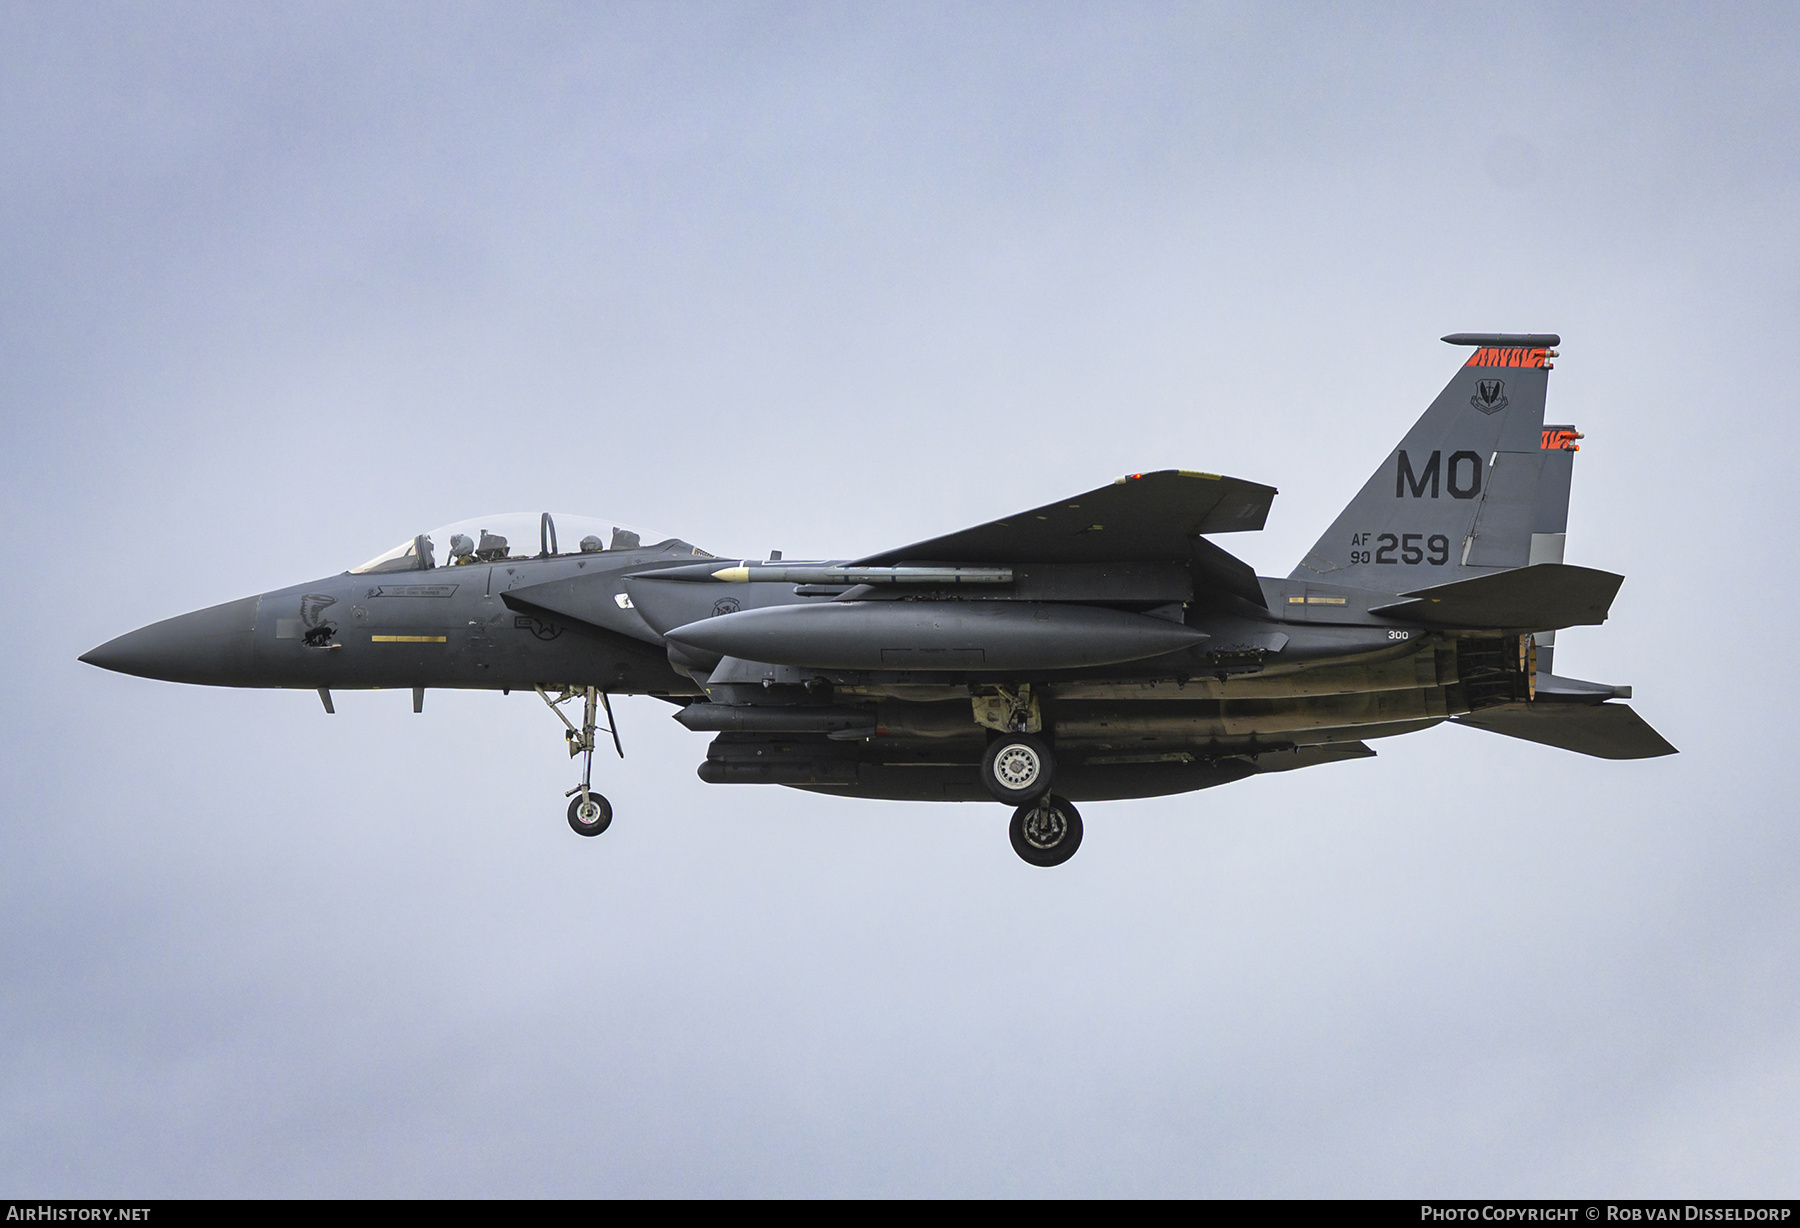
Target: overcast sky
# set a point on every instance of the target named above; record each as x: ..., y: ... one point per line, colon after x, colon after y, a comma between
x: 282, y: 287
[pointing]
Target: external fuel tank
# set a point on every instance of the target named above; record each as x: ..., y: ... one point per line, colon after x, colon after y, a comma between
x: 937, y: 636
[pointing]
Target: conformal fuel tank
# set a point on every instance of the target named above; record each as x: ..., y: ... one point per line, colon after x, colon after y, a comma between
x: 936, y: 635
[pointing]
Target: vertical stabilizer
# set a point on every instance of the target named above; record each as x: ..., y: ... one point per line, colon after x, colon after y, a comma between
x: 1477, y: 485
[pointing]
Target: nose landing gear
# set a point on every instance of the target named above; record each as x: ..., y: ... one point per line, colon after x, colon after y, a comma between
x: 589, y: 812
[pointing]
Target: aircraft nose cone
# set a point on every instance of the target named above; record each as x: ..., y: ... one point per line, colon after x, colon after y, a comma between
x: 211, y: 646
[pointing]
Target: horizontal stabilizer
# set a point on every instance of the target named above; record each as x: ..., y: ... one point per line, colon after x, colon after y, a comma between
x: 1553, y: 689
x: 1605, y: 731
x: 1539, y: 598
x: 1144, y: 516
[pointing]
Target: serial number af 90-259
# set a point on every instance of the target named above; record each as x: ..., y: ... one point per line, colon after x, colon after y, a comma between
x: 1403, y: 548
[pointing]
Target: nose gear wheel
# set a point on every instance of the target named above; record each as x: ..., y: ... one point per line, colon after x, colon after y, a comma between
x: 590, y: 814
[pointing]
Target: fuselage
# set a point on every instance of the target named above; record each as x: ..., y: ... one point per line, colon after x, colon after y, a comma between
x: 1307, y: 673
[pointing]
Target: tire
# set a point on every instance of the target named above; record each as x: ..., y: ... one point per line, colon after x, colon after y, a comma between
x: 1047, y: 832
x: 1017, y: 768
x: 599, y: 816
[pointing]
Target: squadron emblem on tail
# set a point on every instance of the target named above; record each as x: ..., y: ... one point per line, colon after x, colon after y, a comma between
x: 1490, y: 396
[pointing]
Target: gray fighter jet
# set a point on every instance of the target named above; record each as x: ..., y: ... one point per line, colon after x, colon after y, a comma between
x: 1098, y: 647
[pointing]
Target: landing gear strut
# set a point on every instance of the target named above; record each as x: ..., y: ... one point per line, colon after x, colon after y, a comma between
x: 589, y: 813
x: 1046, y: 832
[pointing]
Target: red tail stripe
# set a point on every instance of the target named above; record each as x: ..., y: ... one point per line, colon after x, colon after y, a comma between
x: 1490, y: 356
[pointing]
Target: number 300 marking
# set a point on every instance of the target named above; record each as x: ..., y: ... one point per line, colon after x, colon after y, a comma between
x: 1399, y: 635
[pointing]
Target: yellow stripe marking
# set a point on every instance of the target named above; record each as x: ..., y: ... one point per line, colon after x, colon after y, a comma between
x: 409, y: 639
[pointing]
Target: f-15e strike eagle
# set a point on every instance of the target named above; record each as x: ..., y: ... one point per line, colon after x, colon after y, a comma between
x: 1098, y: 647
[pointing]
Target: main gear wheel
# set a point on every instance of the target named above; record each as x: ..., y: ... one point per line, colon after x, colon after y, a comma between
x: 1017, y: 767
x: 1046, y: 832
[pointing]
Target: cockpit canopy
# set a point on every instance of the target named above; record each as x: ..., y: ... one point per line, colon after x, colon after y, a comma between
x: 513, y: 535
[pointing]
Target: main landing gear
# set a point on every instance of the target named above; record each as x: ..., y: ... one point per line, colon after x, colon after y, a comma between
x: 1017, y: 769
x: 589, y: 813
x: 1046, y: 832
x: 1018, y: 764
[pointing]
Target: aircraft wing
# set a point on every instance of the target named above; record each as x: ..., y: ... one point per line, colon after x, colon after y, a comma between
x: 1143, y: 516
